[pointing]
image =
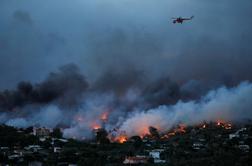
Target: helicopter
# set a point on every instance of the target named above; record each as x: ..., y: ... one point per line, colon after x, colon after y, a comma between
x: 181, y: 20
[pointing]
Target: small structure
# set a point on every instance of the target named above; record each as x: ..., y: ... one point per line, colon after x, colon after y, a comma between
x: 42, y: 139
x: 136, y: 160
x: 33, y: 148
x: 239, y: 133
x: 155, y: 154
x: 244, y: 148
x: 14, y: 156
x: 197, y: 146
x: 35, y: 163
x: 159, y: 161
x: 4, y: 150
x: 42, y: 132
x: 57, y: 149
x: 235, y: 135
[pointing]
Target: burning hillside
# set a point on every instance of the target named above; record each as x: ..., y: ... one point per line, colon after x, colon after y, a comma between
x: 153, y: 133
x: 68, y: 101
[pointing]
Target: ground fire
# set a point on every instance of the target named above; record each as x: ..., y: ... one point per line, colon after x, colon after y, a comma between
x: 95, y: 126
x: 116, y: 135
x: 149, y: 132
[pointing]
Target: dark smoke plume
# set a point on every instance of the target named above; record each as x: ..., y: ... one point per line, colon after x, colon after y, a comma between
x: 64, y: 86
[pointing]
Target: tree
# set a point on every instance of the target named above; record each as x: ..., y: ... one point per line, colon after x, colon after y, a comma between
x: 57, y: 133
x: 154, y: 132
x: 101, y: 136
x: 137, y: 141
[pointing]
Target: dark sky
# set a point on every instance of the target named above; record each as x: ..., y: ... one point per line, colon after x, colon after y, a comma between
x: 37, y: 37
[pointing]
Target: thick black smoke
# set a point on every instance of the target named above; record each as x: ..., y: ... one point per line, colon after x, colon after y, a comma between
x: 67, y: 88
x: 119, y: 82
x: 65, y: 99
x: 64, y: 86
x: 161, y: 92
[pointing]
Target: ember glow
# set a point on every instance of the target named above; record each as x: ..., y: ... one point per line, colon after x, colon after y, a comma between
x: 95, y: 126
x: 121, y: 139
x: 180, y: 129
x: 104, y: 116
x: 224, y: 124
x: 219, y: 122
x: 117, y: 136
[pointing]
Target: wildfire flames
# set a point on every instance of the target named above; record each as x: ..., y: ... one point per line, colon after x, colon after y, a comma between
x: 96, y: 126
x: 121, y: 139
x: 118, y: 136
x: 223, y: 124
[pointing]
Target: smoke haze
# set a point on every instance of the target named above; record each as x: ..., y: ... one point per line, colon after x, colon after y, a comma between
x: 102, y: 36
x: 71, y: 63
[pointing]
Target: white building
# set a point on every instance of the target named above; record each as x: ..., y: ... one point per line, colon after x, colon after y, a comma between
x: 57, y: 149
x: 237, y: 133
x: 231, y: 136
x: 41, y: 132
x: 155, y: 154
x: 197, y: 146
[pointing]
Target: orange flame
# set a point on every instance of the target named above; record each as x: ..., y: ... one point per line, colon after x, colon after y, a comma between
x: 220, y: 122
x: 122, y: 139
x: 118, y: 136
x: 181, y: 129
x: 95, y: 126
x: 223, y: 124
